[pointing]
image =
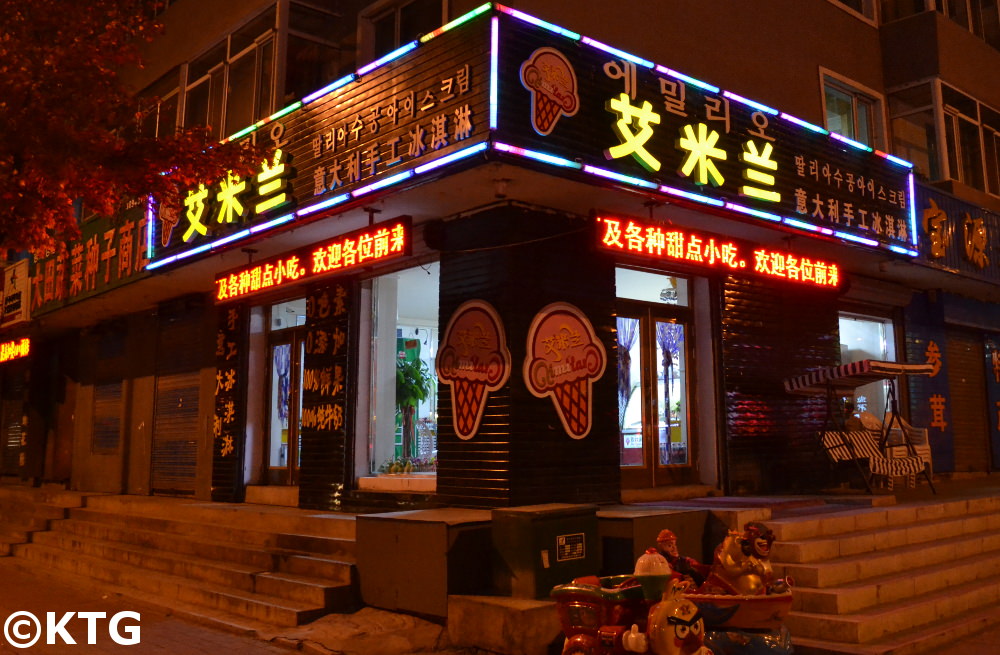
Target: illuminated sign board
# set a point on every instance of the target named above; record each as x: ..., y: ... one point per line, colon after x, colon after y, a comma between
x: 958, y: 236
x: 347, y: 252
x: 576, y: 103
x: 10, y: 350
x: 395, y: 119
x: 108, y: 254
x: 671, y: 245
x: 499, y: 82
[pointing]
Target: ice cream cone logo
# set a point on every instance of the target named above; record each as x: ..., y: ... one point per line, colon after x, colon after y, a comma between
x: 548, y: 75
x: 564, y: 358
x: 473, y: 361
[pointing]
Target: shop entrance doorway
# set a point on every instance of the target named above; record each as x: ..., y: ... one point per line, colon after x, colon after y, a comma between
x: 286, y: 348
x: 654, y: 335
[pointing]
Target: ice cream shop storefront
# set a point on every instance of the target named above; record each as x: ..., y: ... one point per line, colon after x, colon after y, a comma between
x: 508, y: 265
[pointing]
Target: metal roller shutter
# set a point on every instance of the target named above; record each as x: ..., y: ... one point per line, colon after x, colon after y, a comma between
x: 175, y: 443
x: 175, y: 420
x: 967, y: 382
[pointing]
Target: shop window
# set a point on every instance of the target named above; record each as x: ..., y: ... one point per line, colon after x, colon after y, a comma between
x: 653, y: 345
x: 867, y: 337
x: 851, y: 112
x: 402, y: 395
x: 388, y: 27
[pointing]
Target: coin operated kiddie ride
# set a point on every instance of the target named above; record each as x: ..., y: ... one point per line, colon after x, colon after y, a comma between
x: 738, y: 610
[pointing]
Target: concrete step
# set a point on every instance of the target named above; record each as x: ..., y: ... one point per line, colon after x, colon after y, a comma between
x: 923, y: 639
x: 846, y: 570
x: 231, y: 574
x: 260, y: 607
x: 936, y: 578
x: 55, y: 496
x: 277, y: 519
x: 29, y: 511
x: 262, y: 557
x: 873, y: 518
x: 825, y: 548
x: 193, y: 529
x: 883, y: 621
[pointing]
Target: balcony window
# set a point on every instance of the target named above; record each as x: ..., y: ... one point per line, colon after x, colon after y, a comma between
x: 389, y: 27
x: 914, y: 132
x: 850, y: 111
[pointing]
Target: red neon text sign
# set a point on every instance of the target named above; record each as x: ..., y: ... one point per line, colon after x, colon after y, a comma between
x: 349, y: 251
x: 689, y: 246
x: 14, y: 349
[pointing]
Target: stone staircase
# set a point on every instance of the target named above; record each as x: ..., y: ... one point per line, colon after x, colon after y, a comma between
x: 25, y: 510
x: 245, y: 568
x: 896, y: 579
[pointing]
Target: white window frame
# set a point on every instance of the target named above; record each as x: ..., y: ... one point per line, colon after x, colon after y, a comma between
x: 868, y: 15
x: 850, y: 86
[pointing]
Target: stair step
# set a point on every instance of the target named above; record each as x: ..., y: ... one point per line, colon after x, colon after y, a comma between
x: 830, y: 524
x: 847, y: 570
x: 277, y: 519
x: 230, y: 574
x: 884, y: 620
x: 305, y: 589
x: 175, y: 526
x: 889, y: 589
x: 260, y: 607
x: 910, y: 642
x: 844, y: 545
x: 336, y: 571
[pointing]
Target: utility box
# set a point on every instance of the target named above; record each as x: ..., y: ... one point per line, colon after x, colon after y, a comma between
x: 536, y: 547
x: 412, y: 561
x: 626, y: 532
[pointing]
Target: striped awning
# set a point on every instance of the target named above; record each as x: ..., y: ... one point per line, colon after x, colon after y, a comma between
x: 846, y: 378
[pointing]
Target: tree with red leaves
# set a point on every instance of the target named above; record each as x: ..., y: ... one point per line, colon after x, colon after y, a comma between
x: 67, y: 121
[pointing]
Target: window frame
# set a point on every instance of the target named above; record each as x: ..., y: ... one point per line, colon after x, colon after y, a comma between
x: 857, y: 91
x: 378, y: 10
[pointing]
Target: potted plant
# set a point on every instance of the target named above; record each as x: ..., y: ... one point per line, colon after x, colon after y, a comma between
x: 413, y: 384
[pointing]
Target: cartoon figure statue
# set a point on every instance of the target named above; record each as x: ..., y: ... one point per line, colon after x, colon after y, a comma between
x: 684, y: 567
x: 675, y: 627
x: 742, y: 563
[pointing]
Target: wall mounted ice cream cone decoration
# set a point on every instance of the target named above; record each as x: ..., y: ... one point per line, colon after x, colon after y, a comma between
x: 563, y: 360
x: 550, y: 79
x: 473, y: 361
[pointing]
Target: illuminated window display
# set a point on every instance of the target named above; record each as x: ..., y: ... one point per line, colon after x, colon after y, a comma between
x: 865, y: 337
x: 402, y: 398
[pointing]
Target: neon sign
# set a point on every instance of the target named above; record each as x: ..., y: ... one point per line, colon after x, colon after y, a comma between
x: 347, y: 252
x: 654, y: 241
x: 10, y: 350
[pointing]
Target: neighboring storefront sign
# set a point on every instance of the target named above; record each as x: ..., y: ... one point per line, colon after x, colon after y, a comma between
x: 392, y: 120
x: 347, y: 252
x: 957, y: 235
x: 577, y: 103
x: 326, y: 421
x: 666, y: 244
x: 16, y: 349
x: 474, y: 361
x: 229, y: 422
x: 563, y: 360
x: 16, y: 294
x: 108, y: 254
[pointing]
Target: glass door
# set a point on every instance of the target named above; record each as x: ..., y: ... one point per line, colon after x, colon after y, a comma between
x: 654, y: 335
x: 286, y: 348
